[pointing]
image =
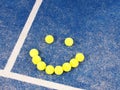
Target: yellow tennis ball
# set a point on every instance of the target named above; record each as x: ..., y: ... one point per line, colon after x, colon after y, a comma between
x: 49, y: 69
x: 41, y: 66
x: 58, y: 70
x: 80, y: 57
x: 69, y: 42
x: 33, y: 52
x: 49, y: 39
x: 66, y: 67
x: 74, y: 63
x: 36, y: 59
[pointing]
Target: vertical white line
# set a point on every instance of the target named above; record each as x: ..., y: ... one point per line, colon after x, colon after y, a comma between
x: 22, y: 36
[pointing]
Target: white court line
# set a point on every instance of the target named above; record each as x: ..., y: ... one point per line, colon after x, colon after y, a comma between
x: 22, y: 36
x: 6, y: 72
x: 36, y: 81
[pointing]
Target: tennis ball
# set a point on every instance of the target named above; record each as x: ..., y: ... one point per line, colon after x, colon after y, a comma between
x: 80, y: 57
x: 58, y: 70
x: 33, y: 52
x: 69, y: 42
x: 66, y: 67
x: 49, y: 69
x: 36, y: 59
x: 49, y: 39
x: 41, y: 66
x: 74, y: 63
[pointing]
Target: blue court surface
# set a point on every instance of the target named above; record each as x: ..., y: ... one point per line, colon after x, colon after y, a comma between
x: 9, y: 84
x: 93, y: 24
x: 13, y: 16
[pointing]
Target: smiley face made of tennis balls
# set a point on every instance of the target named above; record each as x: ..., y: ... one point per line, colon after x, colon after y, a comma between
x: 58, y: 70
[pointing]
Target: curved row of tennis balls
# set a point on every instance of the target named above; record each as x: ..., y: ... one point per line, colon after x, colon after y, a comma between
x: 58, y: 70
x: 49, y: 39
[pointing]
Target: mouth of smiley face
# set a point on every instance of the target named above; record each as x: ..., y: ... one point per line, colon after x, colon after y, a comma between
x: 59, y: 69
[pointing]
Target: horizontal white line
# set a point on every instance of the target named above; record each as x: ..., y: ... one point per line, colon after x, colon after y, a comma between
x: 22, y: 36
x: 36, y: 81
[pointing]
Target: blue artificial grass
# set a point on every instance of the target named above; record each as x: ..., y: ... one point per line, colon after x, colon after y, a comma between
x: 94, y: 25
x: 13, y: 15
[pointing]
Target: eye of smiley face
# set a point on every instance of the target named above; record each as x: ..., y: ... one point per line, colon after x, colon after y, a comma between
x: 58, y: 70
